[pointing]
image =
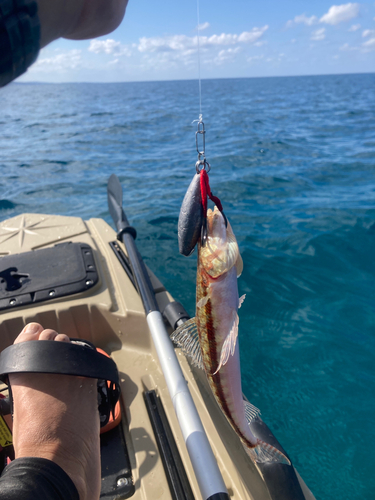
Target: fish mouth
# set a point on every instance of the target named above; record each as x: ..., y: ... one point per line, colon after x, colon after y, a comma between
x: 220, y: 251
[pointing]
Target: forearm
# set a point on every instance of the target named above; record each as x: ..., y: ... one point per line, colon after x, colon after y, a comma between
x: 27, y: 26
x: 78, y: 19
x: 57, y: 18
x: 97, y: 18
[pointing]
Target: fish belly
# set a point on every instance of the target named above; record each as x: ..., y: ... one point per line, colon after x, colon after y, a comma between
x: 227, y: 389
x: 215, y: 320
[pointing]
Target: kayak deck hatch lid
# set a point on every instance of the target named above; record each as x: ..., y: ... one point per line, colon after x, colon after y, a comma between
x: 45, y: 274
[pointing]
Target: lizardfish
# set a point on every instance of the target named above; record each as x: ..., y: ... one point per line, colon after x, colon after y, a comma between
x: 210, y: 338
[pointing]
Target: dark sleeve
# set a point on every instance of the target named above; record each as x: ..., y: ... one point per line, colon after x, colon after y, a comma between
x: 33, y: 478
x: 19, y: 37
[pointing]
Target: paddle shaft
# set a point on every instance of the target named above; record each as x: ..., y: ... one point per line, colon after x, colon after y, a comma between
x: 140, y: 274
x: 205, y: 467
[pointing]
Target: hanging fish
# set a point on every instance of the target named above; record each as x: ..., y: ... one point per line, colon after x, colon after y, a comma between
x: 210, y: 338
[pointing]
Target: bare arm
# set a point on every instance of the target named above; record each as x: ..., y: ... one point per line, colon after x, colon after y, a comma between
x: 78, y: 19
x: 22, y: 35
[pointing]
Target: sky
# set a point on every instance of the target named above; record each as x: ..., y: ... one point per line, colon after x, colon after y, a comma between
x: 237, y: 38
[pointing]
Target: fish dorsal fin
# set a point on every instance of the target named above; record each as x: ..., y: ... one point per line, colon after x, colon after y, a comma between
x: 229, y: 343
x: 241, y: 299
x: 186, y: 337
x: 251, y: 411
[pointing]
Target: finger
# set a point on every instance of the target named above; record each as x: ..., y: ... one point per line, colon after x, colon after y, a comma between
x: 30, y: 332
x: 48, y: 334
x: 61, y: 337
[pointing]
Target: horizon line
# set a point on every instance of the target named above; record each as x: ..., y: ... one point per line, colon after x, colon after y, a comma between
x: 193, y: 79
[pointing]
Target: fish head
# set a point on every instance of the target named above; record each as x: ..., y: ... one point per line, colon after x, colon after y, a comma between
x: 220, y: 252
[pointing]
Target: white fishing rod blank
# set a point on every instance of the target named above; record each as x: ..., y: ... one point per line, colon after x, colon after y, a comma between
x: 203, y: 461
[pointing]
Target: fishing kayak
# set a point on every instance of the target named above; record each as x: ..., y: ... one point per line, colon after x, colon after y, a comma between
x: 77, y: 277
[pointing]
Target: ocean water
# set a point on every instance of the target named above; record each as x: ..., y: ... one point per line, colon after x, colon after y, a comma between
x: 293, y: 162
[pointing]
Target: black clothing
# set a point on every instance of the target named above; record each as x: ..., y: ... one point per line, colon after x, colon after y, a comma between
x: 19, y: 37
x: 31, y: 478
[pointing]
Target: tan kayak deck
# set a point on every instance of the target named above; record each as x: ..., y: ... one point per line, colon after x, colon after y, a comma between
x: 111, y: 316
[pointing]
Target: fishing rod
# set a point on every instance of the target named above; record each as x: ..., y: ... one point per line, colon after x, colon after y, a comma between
x: 205, y: 467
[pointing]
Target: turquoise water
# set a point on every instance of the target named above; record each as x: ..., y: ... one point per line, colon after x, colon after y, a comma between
x: 293, y: 161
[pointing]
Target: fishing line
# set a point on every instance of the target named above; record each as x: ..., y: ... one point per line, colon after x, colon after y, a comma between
x: 202, y: 162
x: 202, y: 166
x: 199, y: 65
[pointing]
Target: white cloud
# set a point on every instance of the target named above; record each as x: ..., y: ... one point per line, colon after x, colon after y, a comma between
x: 369, y: 44
x: 302, y: 19
x: 203, y: 26
x: 253, y: 35
x: 59, y: 63
x: 167, y: 43
x: 255, y: 58
x: 340, y: 13
x: 108, y: 46
x: 368, y: 33
x: 223, y: 39
x: 180, y: 43
x: 227, y: 39
x: 309, y: 21
x: 346, y: 46
x: 354, y: 27
x: 366, y: 46
x: 180, y: 51
x: 318, y: 34
x: 226, y: 54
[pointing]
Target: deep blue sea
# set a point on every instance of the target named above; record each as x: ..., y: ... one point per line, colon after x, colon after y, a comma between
x: 293, y: 161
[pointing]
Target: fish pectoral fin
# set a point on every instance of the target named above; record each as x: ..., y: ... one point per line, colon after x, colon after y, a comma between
x: 203, y: 301
x: 241, y: 299
x: 266, y: 453
x: 186, y: 337
x: 239, y: 265
x: 229, y: 344
x: 251, y: 411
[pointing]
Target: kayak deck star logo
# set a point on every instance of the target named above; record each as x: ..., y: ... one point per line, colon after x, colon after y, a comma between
x: 21, y: 228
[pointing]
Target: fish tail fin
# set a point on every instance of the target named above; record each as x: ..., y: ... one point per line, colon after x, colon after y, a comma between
x: 266, y: 453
